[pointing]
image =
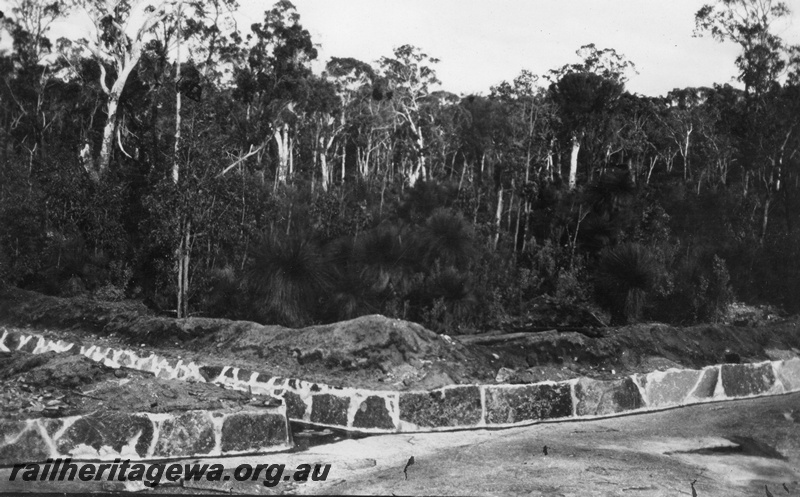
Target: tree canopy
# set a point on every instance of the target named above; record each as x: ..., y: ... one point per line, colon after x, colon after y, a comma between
x: 207, y: 168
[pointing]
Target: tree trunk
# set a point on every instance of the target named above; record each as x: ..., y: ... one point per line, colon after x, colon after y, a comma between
x: 176, y: 164
x: 650, y: 170
x: 344, y: 160
x: 519, y: 219
x: 463, y: 172
x: 549, y: 160
x: 323, y: 164
x: 573, y: 162
x: 631, y: 170
x: 182, y: 257
x: 510, y: 207
x: 290, y: 156
x: 765, y: 220
x: 525, y: 225
x: 108, y: 137
x: 685, y: 154
x: 498, y: 217
x: 186, y: 254
x: 282, y: 140
x: 113, y: 105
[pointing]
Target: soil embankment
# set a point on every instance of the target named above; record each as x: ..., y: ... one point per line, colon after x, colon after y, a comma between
x: 58, y: 385
x: 381, y: 353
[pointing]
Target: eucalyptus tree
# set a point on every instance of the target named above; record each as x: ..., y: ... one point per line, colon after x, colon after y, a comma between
x: 353, y: 81
x: 273, y: 83
x: 750, y: 23
x: 532, y: 120
x: 120, y: 30
x: 586, y: 102
x: 447, y: 119
x: 410, y: 78
x: 323, y: 111
x: 368, y: 120
x: 586, y: 93
x: 28, y: 70
x: 764, y: 60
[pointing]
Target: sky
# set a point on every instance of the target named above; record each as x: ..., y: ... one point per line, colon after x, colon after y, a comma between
x: 483, y: 42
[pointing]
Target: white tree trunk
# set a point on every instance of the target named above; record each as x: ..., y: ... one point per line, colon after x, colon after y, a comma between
x: 344, y: 160
x: 573, y: 162
x: 176, y: 163
x: 323, y: 161
x: 290, y: 155
x: 108, y: 136
x: 498, y: 217
x: 282, y: 140
x: 124, y: 65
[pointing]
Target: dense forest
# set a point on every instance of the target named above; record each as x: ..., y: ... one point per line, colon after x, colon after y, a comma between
x: 174, y: 158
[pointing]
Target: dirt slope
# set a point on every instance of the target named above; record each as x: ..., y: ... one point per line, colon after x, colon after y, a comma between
x: 368, y: 352
x: 382, y: 353
x: 57, y: 385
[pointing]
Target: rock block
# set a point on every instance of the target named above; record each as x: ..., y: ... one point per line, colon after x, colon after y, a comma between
x: 263, y: 377
x: 74, y: 349
x: 108, y: 428
x: 295, y: 406
x: 126, y: 359
x: 329, y: 409
x: 373, y: 413
x: 669, y: 388
x: 11, y: 429
x: 253, y: 431
x: 742, y: 380
x: 51, y: 426
x: 527, y: 402
x: 191, y: 433
x: 13, y: 340
x: 597, y: 398
x: 707, y: 384
x: 21, y: 444
x: 210, y: 373
x: 30, y: 345
x: 789, y: 374
x: 447, y: 407
x: 244, y: 375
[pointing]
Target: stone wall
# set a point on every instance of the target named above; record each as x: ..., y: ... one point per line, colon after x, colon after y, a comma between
x: 448, y: 408
x: 109, y: 435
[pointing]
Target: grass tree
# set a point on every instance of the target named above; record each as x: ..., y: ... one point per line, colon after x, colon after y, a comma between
x: 287, y: 277
x: 626, y: 276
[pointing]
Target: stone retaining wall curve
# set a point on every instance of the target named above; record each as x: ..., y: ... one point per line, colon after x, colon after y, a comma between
x: 106, y: 435
x: 457, y: 406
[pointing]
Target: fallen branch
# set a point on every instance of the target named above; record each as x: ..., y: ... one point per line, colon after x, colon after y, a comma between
x: 242, y: 159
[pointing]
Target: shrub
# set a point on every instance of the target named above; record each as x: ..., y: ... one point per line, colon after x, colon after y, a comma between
x: 626, y: 275
x: 287, y: 278
x: 221, y: 298
x: 447, y: 238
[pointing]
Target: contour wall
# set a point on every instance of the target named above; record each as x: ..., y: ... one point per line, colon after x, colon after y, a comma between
x: 457, y: 406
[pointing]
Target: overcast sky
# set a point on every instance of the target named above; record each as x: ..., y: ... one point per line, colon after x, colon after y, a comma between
x: 483, y: 42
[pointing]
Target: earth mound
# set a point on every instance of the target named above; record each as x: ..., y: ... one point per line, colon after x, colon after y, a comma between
x: 367, y: 347
x: 367, y: 352
x: 375, y: 352
x: 57, y: 385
